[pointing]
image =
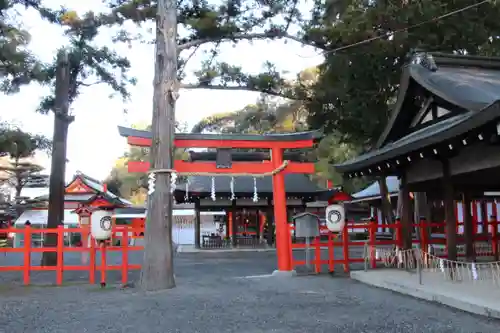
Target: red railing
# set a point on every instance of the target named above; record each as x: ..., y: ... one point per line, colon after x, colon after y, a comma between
x: 329, y: 241
x: 91, y: 247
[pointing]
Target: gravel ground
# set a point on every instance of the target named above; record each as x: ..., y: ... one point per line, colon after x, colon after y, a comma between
x: 214, y: 295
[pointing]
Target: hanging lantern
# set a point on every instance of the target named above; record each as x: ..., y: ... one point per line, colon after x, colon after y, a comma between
x: 101, y: 224
x: 335, y: 218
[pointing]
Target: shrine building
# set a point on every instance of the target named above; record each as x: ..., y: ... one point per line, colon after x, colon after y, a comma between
x: 442, y: 140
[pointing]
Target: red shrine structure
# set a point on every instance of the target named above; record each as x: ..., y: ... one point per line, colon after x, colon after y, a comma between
x: 276, y: 166
x: 83, y: 195
x: 442, y: 141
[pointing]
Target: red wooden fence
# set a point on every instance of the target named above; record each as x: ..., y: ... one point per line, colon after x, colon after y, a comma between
x: 93, y: 251
x: 329, y: 241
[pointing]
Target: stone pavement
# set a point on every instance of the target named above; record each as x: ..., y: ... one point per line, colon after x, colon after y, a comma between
x: 229, y: 292
x: 481, y: 298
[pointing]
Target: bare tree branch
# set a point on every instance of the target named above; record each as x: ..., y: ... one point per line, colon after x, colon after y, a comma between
x: 283, y: 94
x: 79, y: 83
x: 276, y: 34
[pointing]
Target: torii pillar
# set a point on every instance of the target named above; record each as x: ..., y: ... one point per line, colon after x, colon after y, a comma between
x: 280, y: 216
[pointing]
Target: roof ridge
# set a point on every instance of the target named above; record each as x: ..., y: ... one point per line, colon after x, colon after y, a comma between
x: 90, y: 178
x: 450, y: 59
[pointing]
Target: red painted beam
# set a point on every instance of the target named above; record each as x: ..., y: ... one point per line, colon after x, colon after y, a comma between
x: 239, y: 167
x: 143, y: 142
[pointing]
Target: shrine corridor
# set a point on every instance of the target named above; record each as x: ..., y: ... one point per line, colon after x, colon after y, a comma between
x: 212, y: 297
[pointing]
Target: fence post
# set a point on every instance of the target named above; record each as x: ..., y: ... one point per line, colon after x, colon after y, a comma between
x: 60, y: 256
x: 345, y: 248
x: 103, y: 263
x: 290, y: 245
x: 27, y: 255
x: 331, y: 252
x: 373, y: 242
x: 125, y: 256
x: 317, y: 254
x: 365, y: 256
x: 423, y: 233
x: 92, y: 259
x: 418, y: 258
x: 399, y: 236
x: 494, y: 231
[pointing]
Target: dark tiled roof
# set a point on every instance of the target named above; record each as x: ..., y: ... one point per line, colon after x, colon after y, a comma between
x: 311, y: 135
x: 466, y: 82
x: 294, y: 183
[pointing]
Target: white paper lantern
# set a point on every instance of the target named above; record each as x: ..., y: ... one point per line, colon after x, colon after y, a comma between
x: 335, y: 217
x: 101, y: 225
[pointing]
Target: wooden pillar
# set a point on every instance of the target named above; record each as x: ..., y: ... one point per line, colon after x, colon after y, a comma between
x: 449, y: 209
x: 468, y: 227
x: 484, y: 217
x: 234, y: 227
x: 270, y: 222
x: 280, y: 216
x: 385, y: 206
x: 197, y: 224
x: 422, y: 218
x: 258, y: 220
x: 406, y: 218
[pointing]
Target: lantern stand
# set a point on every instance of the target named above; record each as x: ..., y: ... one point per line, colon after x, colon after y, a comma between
x: 307, y: 226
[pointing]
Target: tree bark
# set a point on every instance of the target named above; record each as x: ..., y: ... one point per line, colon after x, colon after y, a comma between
x: 385, y: 206
x: 58, y: 163
x: 404, y: 207
x: 158, y: 266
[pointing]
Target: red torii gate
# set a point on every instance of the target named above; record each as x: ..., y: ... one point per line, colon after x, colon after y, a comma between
x: 276, y: 143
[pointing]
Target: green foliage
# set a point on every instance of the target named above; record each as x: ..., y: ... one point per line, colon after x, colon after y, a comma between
x: 17, y: 149
x: 18, y: 66
x: 358, y: 85
x: 266, y: 116
x: 89, y: 63
x: 331, y: 150
x: 207, y: 23
x: 19, y: 172
x: 18, y: 144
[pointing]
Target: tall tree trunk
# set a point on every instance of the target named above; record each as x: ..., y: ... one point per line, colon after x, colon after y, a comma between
x: 404, y: 212
x: 385, y: 198
x: 158, y: 266
x: 58, y: 164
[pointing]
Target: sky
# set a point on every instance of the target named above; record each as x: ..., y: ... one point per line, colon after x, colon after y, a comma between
x: 93, y: 140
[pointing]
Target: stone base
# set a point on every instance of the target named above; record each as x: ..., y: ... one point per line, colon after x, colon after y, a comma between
x: 284, y: 274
